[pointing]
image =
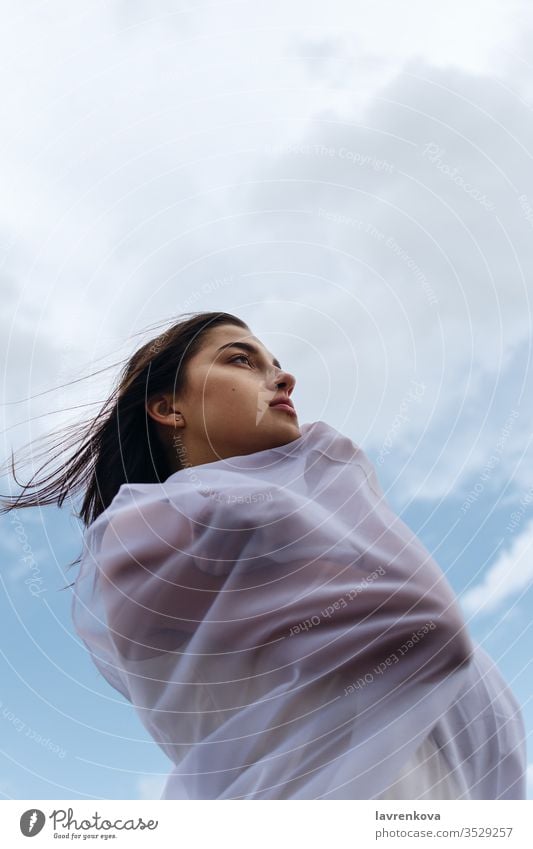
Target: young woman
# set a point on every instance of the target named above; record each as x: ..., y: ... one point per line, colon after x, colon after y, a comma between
x: 281, y: 633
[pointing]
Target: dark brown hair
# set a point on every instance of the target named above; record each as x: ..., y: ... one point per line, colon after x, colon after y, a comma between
x: 120, y: 444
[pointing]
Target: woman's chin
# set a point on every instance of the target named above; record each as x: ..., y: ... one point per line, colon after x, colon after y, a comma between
x: 288, y: 429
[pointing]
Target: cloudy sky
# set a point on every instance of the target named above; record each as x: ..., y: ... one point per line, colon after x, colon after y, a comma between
x: 355, y: 181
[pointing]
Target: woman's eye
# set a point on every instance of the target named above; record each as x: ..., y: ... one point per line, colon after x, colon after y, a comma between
x: 241, y: 357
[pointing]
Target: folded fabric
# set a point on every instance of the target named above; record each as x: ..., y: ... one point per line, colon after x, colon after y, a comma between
x: 283, y: 634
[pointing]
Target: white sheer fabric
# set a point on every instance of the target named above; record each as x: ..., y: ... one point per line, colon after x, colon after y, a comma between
x: 425, y: 776
x: 282, y: 634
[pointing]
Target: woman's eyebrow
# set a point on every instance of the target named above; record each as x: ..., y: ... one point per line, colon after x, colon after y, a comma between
x: 245, y: 346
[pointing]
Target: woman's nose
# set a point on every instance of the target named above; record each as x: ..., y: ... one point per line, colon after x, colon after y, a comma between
x: 284, y: 379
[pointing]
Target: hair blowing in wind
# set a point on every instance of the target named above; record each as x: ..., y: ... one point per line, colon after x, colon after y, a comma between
x: 119, y: 444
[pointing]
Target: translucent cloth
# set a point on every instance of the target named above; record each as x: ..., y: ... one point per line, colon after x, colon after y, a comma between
x: 282, y: 634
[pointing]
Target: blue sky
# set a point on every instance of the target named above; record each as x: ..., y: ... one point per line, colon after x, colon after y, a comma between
x: 357, y: 184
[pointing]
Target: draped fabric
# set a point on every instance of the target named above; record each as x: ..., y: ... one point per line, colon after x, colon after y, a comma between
x: 283, y: 634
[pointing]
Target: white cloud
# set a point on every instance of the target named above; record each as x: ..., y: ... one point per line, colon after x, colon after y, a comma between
x: 530, y: 781
x: 151, y: 786
x: 511, y: 573
x: 132, y: 181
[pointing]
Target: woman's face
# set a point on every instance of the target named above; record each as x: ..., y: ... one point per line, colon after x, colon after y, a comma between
x: 225, y: 410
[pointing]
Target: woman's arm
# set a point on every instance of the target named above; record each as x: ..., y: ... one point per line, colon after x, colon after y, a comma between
x: 153, y: 594
x: 164, y: 572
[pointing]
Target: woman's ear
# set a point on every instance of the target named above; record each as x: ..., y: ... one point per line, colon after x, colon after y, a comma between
x: 163, y: 410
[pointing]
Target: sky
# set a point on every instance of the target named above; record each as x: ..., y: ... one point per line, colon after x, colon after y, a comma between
x: 355, y: 181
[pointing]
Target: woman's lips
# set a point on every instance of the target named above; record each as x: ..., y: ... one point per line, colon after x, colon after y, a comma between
x: 285, y: 407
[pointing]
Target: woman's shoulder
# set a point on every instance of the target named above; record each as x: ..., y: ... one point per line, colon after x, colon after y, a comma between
x: 338, y: 445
